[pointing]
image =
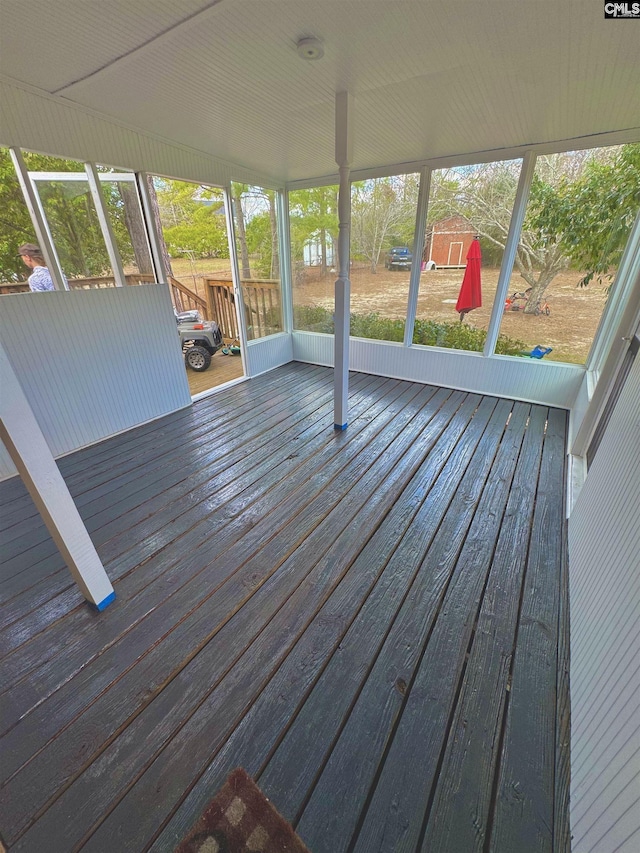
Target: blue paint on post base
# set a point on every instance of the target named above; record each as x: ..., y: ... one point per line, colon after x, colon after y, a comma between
x: 105, y: 602
x: 337, y: 426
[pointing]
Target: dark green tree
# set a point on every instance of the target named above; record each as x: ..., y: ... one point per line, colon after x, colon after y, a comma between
x: 15, y: 222
x: 313, y: 218
x: 593, y: 214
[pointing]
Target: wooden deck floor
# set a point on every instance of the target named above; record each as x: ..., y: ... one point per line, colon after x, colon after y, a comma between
x: 223, y: 369
x: 370, y: 622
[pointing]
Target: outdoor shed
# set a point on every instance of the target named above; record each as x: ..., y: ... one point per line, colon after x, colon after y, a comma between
x: 447, y: 241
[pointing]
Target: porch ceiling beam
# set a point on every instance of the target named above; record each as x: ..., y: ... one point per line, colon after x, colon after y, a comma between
x: 30, y: 453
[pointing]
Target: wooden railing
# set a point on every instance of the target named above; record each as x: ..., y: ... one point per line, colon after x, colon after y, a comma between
x: 182, y: 297
x: 94, y: 282
x: 97, y: 282
x: 185, y: 299
x: 261, y: 305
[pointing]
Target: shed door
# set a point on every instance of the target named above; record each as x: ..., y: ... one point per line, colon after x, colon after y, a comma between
x: 455, y: 255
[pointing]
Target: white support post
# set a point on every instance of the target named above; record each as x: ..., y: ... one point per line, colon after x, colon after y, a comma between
x: 38, y: 220
x: 286, y: 280
x: 418, y: 247
x: 105, y: 224
x: 342, y: 314
x: 238, y: 296
x: 510, y: 249
x: 152, y: 232
x: 30, y: 453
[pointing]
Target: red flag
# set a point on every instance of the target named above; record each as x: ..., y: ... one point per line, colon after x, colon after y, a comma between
x: 470, y: 295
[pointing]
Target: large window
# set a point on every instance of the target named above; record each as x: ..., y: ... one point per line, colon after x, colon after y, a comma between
x: 581, y: 207
x: 465, y: 203
x: 383, y: 217
x: 257, y: 243
x: 193, y: 228
x: 313, y: 221
x: 71, y: 217
x: 15, y: 228
x: 127, y: 223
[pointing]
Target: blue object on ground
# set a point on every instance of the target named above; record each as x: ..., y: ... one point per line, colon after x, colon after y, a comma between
x: 540, y: 352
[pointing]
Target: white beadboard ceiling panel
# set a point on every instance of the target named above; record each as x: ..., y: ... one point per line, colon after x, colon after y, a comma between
x: 429, y: 79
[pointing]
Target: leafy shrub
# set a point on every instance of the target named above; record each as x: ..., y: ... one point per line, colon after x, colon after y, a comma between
x: 426, y: 332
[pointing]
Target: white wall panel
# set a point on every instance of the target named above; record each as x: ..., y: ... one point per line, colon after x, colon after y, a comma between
x: 93, y: 362
x: 536, y: 381
x: 579, y: 408
x: 604, y: 584
x: 267, y: 353
x: 38, y: 122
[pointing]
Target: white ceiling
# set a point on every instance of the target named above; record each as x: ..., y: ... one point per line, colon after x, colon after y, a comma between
x: 429, y: 78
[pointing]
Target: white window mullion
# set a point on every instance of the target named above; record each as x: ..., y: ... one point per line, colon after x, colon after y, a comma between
x: 418, y: 248
x: 105, y: 224
x: 286, y: 281
x: 510, y: 249
x: 241, y: 317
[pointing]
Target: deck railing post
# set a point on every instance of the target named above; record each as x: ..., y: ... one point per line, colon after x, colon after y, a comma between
x: 342, y: 314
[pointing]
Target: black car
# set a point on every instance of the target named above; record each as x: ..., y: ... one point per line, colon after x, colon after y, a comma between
x: 398, y: 258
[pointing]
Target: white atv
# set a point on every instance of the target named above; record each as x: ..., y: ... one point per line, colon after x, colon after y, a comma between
x: 200, y: 339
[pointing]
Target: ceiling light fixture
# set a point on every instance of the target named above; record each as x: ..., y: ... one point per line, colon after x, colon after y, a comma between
x: 310, y: 48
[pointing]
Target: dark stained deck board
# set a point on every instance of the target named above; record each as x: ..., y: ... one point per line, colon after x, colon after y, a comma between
x: 160, y: 554
x: 208, y: 444
x: 384, y: 569
x: 254, y: 551
x: 306, y: 607
x: 414, y: 738
x: 211, y: 476
x: 524, y: 811
x: 175, y: 567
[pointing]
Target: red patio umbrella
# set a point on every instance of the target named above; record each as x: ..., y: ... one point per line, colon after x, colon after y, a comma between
x: 470, y: 295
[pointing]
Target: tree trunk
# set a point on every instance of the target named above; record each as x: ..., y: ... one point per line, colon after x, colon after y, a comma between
x: 153, y: 198
x: 537, y: 290
x: 242, y: 236
x: 323, y: 252
x: 323, y: 238
x: 135, y: 227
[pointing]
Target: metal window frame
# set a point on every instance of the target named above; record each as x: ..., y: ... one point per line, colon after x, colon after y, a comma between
x: 38, y: 220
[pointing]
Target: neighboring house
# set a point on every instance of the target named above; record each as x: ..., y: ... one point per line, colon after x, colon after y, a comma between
x: 447, y: 242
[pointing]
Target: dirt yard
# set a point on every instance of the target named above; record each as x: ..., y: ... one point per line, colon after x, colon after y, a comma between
x: 569, y: 329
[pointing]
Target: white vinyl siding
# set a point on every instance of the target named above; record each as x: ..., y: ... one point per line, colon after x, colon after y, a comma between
x: 547, y: 383
x: 93, y: 362
x: 604, y: 582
